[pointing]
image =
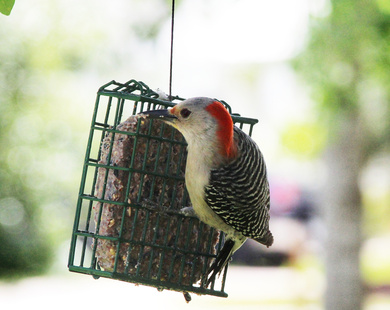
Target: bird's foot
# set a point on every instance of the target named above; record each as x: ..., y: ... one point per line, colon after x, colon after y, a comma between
x: 220, y: 262
x: 188, y: 211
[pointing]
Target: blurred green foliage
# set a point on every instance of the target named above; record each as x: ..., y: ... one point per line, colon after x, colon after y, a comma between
x: 51, y: 55
x: 6, y: 6
x: 304, y: 140
x: 375, y: 261
x: 24, y: 247
x: 346, y: 64
x: 40, y: 145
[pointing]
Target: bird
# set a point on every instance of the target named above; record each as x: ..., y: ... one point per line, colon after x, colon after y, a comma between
x: 225, y: 175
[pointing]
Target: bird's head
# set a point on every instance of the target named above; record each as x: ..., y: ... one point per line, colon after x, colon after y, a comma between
x: 202, y: 121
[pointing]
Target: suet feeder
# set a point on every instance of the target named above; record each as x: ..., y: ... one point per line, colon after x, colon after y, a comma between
x: 128, y: 224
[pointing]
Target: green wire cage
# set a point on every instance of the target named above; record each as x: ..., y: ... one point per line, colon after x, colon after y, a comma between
x: 127, y: 224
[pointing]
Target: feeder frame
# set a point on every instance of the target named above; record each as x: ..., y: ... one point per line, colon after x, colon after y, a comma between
x: 114, y: 100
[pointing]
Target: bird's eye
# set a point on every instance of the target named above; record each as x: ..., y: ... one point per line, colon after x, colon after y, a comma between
x: 185, y: 113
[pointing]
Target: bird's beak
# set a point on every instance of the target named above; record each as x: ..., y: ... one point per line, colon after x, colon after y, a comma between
x: 164, y: 115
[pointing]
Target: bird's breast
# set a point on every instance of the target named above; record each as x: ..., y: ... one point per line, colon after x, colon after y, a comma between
x: 197, y: 178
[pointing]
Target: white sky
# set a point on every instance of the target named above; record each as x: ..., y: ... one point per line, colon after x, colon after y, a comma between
x: 246, y: 31
x: 234, y: 50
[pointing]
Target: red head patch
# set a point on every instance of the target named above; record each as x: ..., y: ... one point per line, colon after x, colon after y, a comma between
x: 225, y: 128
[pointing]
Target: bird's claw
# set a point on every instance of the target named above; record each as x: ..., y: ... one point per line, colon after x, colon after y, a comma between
x: 188, y: 211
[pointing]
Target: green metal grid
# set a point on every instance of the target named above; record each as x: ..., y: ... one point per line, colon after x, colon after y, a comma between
x: 115, y: 102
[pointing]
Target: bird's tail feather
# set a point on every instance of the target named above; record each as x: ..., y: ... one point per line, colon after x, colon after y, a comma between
x: 267, y: 239
x: 220, y: 261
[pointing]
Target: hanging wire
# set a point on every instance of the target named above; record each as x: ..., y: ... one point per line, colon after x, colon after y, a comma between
x: 171, y: 58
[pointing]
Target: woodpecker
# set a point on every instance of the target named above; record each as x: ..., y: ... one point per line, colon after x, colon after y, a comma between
x: 225, y: 175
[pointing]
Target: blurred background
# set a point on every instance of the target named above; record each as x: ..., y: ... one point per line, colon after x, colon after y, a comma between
x: 316, y: 73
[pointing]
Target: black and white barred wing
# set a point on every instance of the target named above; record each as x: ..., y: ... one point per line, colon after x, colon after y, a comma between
x: 239, y: 192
